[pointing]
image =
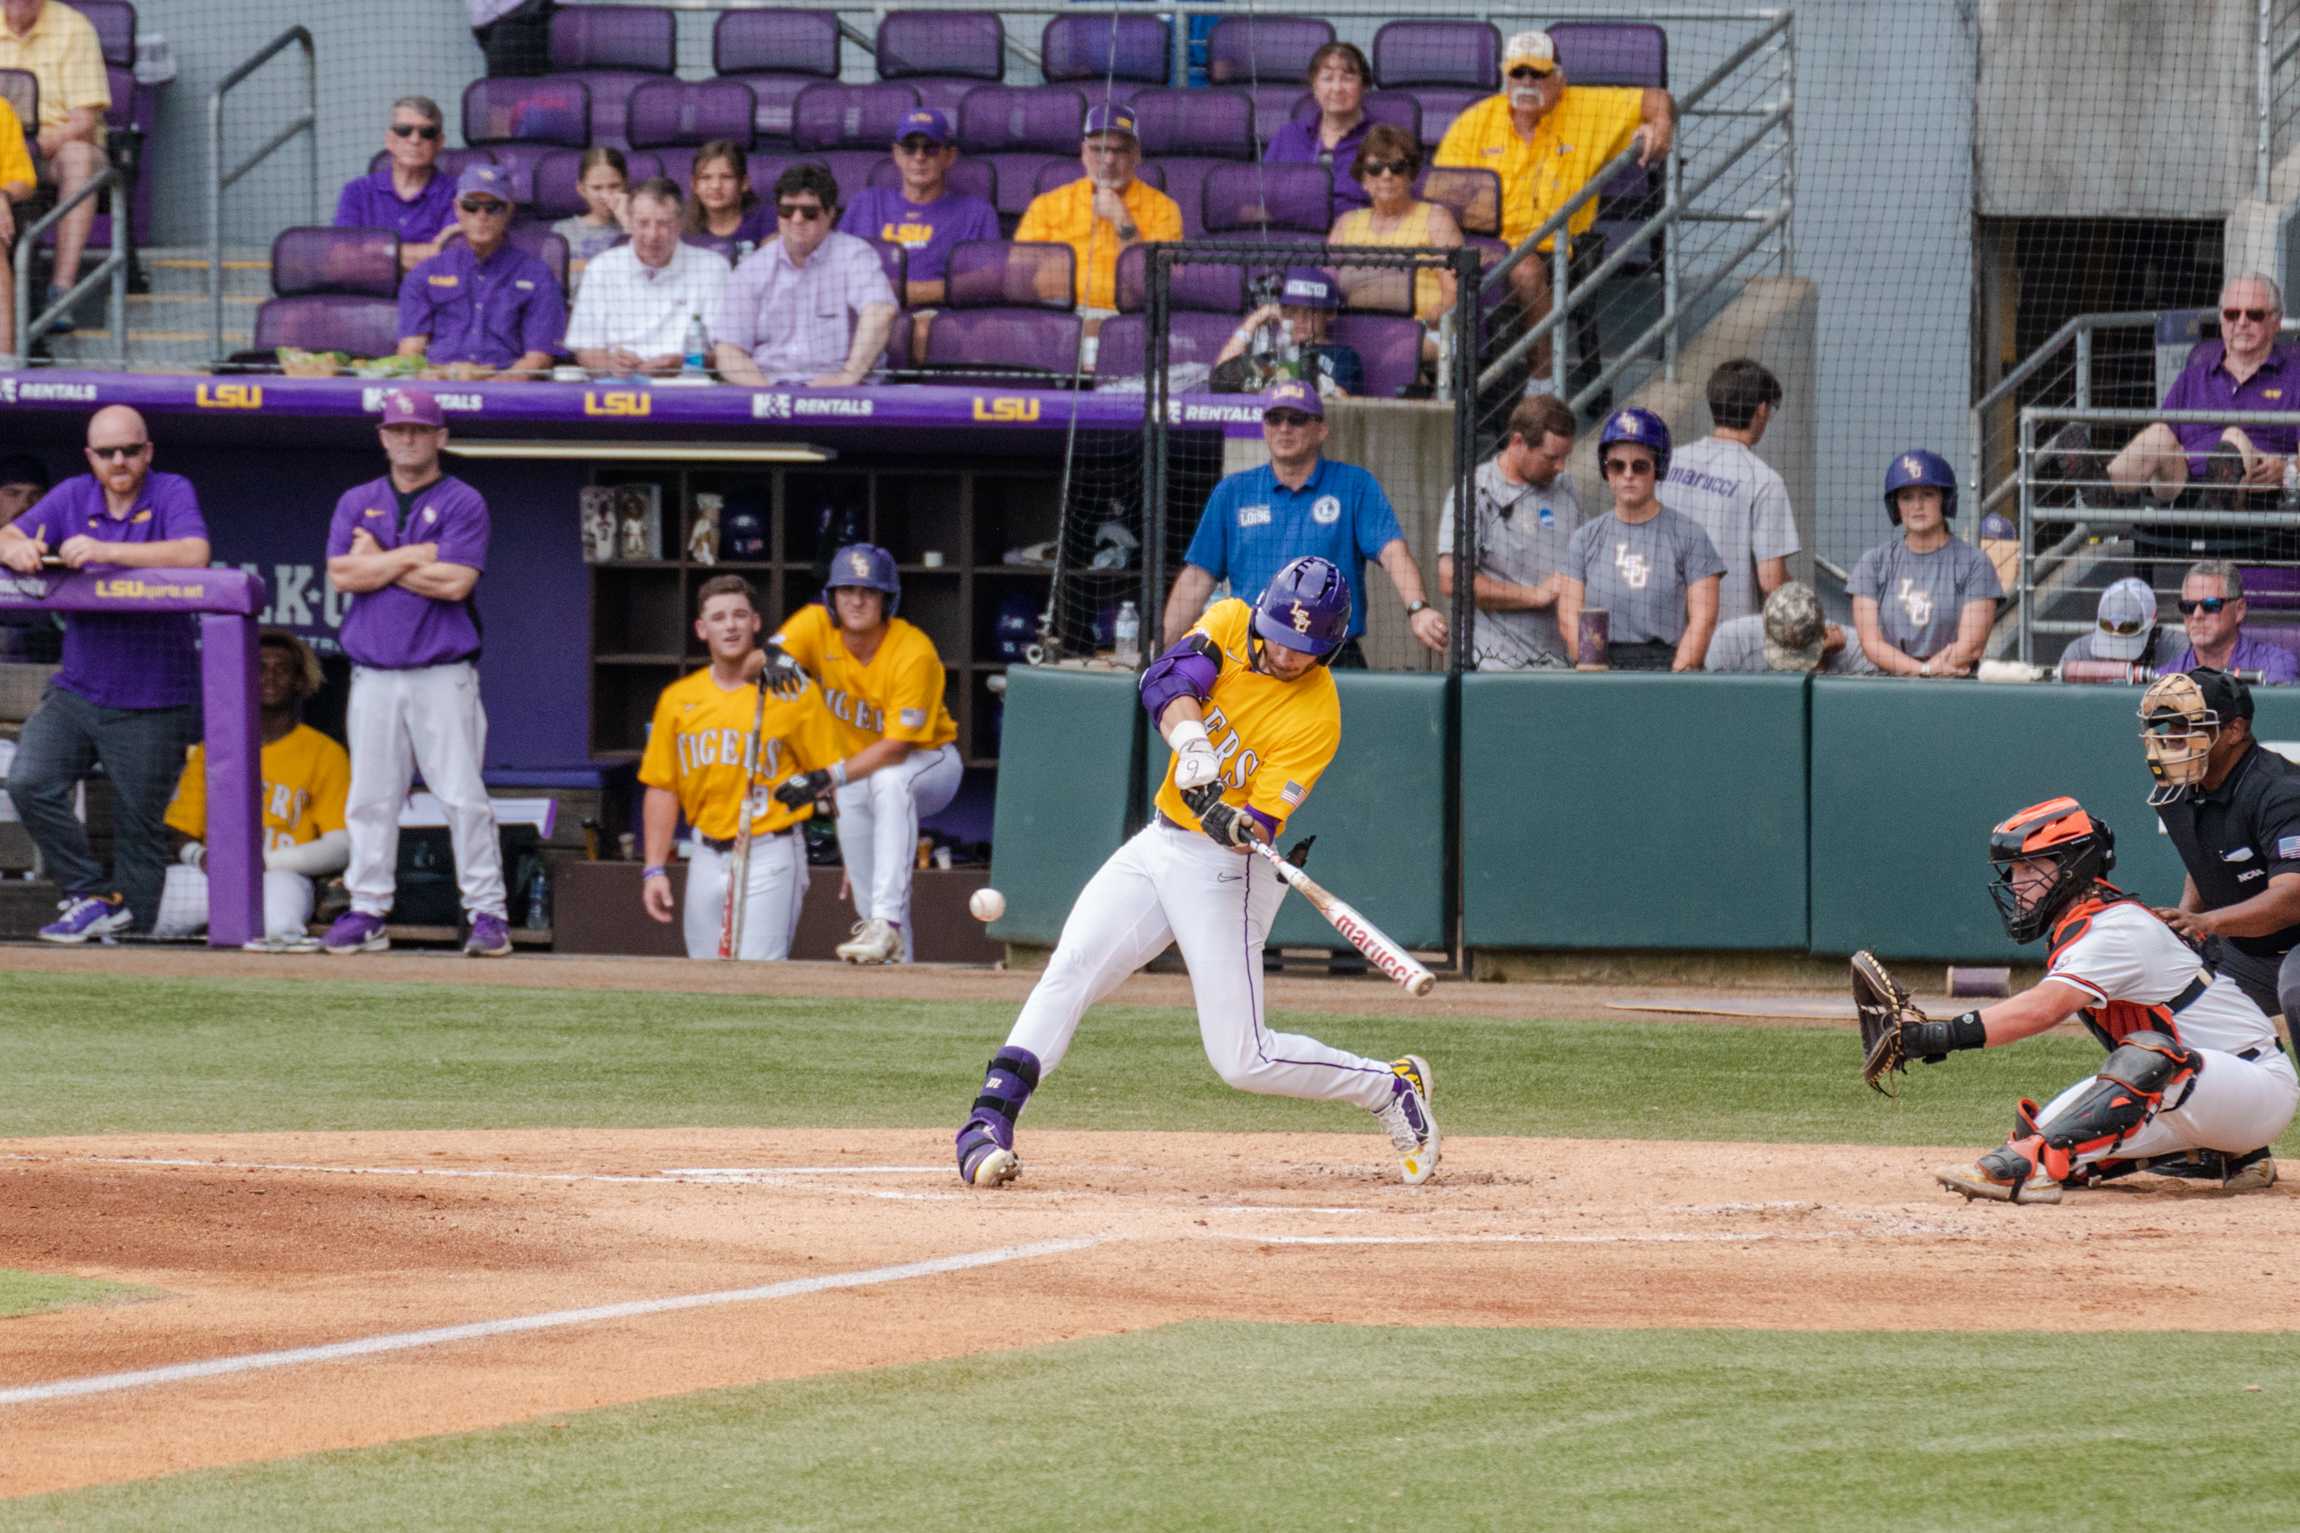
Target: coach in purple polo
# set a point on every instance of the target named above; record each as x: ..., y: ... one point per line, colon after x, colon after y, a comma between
x: 921, y: 213
x: 482, y: 306
x: 811, y: 304
x: 408, y: 195
x: 409, y: 549
x: 128, y: 691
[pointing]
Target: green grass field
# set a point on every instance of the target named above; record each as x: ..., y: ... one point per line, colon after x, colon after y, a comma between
x: 1195, y: 1426
x: 28, y: 1293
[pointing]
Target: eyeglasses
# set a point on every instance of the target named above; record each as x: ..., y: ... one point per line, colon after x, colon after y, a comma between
x: 423, y: 130
x: 1613, y: 466
x: 1389, y: 167
x: 2257, y: 316
x: 1528, y: 72
x: 1286, y: 418
x: 804, y: 212
x: 486, y: 207
x: 2208, y: 604
x: 109, y: 454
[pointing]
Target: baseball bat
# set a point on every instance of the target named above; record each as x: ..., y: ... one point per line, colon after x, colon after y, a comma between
x: 739, y: 866
x: 1359, y: 932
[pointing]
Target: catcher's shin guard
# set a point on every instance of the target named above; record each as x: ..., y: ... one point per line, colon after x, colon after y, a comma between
x: 2041, y: 1156
x: 986, y: 1155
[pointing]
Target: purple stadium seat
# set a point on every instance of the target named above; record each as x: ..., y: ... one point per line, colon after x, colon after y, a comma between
x: 1262, y: 199
x: 944, y: 54
x: 832, y: 116
x: 1447, y: 65
x: 1211, y: 287
x: 613, y: 49
x: 1001, y: 118
x: 359, y: 327
x: 1395, y: 107
x: 539, y: 111
x: 1123, y: 349
x: 662, y: 112
x: 20, y: 88
x: 134, y: 111
x: 763, y: 169
x: 994, y: 274
x: 1390, y: 346
x: 553, y: 183
x: 538, y: 240
x: 1620, y: 53
x: 1019, y: 346
x: 518, y: 161
x: 1472, y: 196
x: 2284, y: 636
x: 778, y: 54
x: 2268, y: 589
x: 1217, y: 124
x: 1126, y: 50
x: 894, y: 260
x: 360, y: 262
x: 976, y: 178
x: 1267, y: 57
x: 1061, y: 171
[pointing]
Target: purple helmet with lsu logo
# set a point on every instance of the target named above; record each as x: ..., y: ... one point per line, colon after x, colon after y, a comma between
x: 866, y: 565
x: 1306, y: 607
x: 1644, y: 429
x: 1917, y: 466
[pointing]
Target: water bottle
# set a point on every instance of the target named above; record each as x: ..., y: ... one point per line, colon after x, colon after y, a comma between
x: 698, y: 349
x: 1128, y: 633
x: 2292, y: 483
x: 539, y: 898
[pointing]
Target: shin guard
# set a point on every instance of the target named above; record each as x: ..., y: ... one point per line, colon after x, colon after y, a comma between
x: 2131, y: 1086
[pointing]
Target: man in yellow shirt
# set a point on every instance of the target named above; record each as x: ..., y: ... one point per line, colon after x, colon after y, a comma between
x: 1545, y: 139
x: 58, y: 47
x: 17, y: 180
x: 1103, y: 212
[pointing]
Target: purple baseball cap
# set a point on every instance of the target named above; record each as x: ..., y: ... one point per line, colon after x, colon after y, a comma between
x: 1111, y: 118
x: 1308, y: 287
x: 1293, y: 394
x: 411, y: 407
x: 485, y: 181
x: 926, y: 123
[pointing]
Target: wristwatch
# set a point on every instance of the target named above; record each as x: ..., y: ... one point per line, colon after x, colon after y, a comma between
x: 1415, y: 606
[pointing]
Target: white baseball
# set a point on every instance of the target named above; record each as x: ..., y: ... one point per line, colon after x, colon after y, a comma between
x: 986, y: 904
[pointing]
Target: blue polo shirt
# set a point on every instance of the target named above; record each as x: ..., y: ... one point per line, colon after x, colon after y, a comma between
x: 491, y: 312
x: 1253, y: 526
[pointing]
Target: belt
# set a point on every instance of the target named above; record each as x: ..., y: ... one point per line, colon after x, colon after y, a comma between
x: 727, y: 845
x: 2190, y: 996
x: 2276, y: 1048
x: 1171, y: 823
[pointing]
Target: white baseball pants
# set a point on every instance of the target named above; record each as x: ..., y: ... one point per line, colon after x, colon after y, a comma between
x: 396, y: 722
x: 1171, y: 885
x: 2233, y: 1105
x: 878, y: 831
x: 288, y: 900
x: 778, y: 882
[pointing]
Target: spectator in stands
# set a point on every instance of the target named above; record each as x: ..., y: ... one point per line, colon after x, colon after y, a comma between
x: 1653, y: 571
x: 923, y: 215
x: 18, y: 181
x: 1386, y: 164
x: 1923, y: 602
x: 2212, y: 609
x: 813, y: 304
x: 31, y: 636
x: 1259, y: 519
x: 408, y: 196
x: 1339, y: 78
x: 1790, y: 634
x: 1527, y: 514
x: 635, y: 307
x: 127, y: 697
x: 482, y: 307
x: 2126, y: 630
x: 604, y: 179
x: 23, y: 480
x: 1103, y: 212
x: 2245, y: 369
x: 1732, y: 493
x: 723, y: 213
x: 514, y: 34
x: 58, y: 47
x: 1546, y: 138
x: 1287, y: 339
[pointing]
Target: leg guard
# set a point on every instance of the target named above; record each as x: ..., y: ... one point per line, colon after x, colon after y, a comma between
x: 2131, y: 1085
x: 986, y: 1155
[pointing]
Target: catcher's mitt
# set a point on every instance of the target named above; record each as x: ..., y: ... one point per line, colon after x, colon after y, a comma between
x: 1884, y: 1009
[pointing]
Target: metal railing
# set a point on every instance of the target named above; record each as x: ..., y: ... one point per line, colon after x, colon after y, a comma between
x: 113, y: 268
x: 220, y: 180
x: 2063, y: 366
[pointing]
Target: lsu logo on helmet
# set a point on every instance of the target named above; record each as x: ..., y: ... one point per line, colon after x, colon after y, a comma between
x: 1912, y: 468
x: 1301, y: 618
x: 860, y: 563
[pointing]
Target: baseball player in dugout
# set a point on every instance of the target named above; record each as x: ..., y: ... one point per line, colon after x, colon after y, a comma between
x: 306, y: 778
x: 1247, y: 701
x: 409, y: 549
x: 898, y: 754
x: 715, y: 753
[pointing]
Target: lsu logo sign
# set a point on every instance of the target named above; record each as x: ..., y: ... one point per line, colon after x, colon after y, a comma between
x: 625, y: 402
x: 1005, y: 408
x: 229, y: 396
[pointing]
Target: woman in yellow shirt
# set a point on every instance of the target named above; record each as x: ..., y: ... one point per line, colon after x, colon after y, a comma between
x: 1387, y: 163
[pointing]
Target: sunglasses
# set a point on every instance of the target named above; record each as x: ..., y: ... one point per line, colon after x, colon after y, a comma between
x: 916, y: 146
x: 1389, y: 167
x: 1286, y: 418
x: 1613, y: 466
x: 108, y: 454
x: 1528, y: 72
x: 2125, y: 630
x: 803, y: 212
x: 2204, y: 604
x: 2257, y: 316
x: 422, y: 130
x: 485, y: 206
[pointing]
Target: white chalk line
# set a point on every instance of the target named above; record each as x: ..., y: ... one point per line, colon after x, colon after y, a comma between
x: 403, y: 1341
x: 1620, y: 1238
x: 786, y: 1177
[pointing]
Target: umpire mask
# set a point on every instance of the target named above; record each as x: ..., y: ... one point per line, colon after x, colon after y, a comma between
x: 2178, y: 728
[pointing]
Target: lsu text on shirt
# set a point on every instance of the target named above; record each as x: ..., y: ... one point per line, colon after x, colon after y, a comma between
x: 305, y: 774
x: 695, y: 752
x: 2130, y: 966
x: 1589, y: 125
x: 1275, y: 738
x: 898, y: 696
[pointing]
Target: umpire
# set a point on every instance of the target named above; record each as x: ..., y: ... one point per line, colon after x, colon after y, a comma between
x: 2232, y: 808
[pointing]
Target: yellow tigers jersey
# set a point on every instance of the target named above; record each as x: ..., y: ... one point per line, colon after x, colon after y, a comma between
x: 695, y: 751
x: 898, y: 696
x: 305, y: 778
x: 1275, y: 738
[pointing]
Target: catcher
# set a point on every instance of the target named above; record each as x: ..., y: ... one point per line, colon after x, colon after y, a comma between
x: 2193, y: 1064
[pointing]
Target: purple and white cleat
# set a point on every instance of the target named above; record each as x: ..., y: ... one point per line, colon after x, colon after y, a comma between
x: 355, y: 931
x: 87, y: 917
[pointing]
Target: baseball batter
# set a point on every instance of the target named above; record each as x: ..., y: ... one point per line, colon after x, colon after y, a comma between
x: 898, y: 759
x: 305, y: 775
x: 2193, y: 1064
x: 699, y: 763
x: 409, y: 549
x: 1248, y: 704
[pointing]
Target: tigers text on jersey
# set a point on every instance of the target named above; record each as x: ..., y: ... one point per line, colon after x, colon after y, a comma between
x: 1275, y: 737
x: 695, y: 750
x: 2121, y: 953
x: 306, y: 777
x: 897, y: 696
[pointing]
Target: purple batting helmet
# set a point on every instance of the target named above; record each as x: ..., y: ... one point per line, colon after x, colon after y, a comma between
x: 1306, y: 607
x: 866, y: 565
x: 1917, y: 466
x: 1644, y: 429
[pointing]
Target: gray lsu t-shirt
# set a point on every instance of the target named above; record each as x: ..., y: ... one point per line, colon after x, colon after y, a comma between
x: 1522, y: 533
x: 1918, y: 596
x: 1639, y: 572
x: 1735, y: 497
x: 1739, y: 645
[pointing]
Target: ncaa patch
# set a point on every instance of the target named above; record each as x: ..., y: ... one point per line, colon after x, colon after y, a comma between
x: 912, y: 718
x: 2287, y: 847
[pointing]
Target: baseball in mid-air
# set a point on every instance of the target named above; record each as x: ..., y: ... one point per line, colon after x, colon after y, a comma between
x: 986, y: 904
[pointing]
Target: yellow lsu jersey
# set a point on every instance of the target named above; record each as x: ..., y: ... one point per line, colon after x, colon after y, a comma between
x: 695, y: 751
x: 898, y: 696
x: 1275, y: 738
x: 305, y: 779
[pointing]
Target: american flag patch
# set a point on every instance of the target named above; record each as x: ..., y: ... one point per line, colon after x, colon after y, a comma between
x: 2287, y: 847
x: 913, y: 718
x: 1292, y: 793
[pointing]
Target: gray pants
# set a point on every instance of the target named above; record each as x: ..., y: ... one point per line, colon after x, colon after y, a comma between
x: 142, y: 751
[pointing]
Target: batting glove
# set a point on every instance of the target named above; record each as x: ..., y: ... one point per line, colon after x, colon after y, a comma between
x: 1226, y: 825
x: 1195, y: 763
x: 802, y: 788
x: 784, y: 676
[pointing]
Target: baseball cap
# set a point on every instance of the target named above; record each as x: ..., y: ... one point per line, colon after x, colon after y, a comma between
x: 485, y: 181
x: 1307, y: 287
x: 1293, y: 394
x: 1534, y: 48
x: 1110, y: 118
x: 411, y: 407
x: 926, y: 123
x: 2223, y: 693
x: 2127, y: 616
x: 1795, y: 631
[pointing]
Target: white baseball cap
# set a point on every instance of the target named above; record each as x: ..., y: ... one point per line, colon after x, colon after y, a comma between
x: 2127, y: 620
x: 1535, y: 48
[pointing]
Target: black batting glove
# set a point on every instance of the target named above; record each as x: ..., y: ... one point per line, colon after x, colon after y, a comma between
x: 802, y: 788
x: 1227, y: 826
x: 784, y: 676
x: 1202, y: 798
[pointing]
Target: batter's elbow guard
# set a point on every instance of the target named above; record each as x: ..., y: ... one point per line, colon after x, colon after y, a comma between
x: 1188, y: 669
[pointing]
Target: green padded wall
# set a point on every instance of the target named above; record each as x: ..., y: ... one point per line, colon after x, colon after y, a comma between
x: 1378, y: 813
x: 1070, y: 746
x: 1633, y: 811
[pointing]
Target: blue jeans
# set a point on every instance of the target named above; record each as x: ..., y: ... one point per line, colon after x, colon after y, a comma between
x: 142, y: 751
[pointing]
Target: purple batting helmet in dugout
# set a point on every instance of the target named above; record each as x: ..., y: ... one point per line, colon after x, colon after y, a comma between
x: 866, y: 565
x: 1643, y: 428
x: 1306, y: 608
x: 1917, y: 466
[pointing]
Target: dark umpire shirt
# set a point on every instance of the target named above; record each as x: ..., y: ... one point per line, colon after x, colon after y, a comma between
x: 2235, y: 838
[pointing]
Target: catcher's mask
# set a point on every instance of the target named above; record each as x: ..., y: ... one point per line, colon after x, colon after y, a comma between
x: 2080, y: 849
x: 2180, y: 721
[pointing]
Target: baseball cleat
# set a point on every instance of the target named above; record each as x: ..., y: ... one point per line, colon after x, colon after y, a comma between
x: 1407, y: 1116
x: 874, y: 941
x: 490, y: 938
x: 1974, y: 1181
x: 355, y: 931
x: 86, y: 918
x: 982, y: 1160
x: 2233, y: 1173
x: 296, y: 942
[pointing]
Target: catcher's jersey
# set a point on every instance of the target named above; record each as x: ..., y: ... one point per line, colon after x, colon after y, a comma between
x: 306, y: 777
x: 2120, y: 952
x: 695, y: 751
x: 1275, y: 737
x: 898, y: 696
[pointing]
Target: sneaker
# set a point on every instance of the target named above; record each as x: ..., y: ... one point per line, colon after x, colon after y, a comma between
x: 1412, y: 1126
x: 874, y: 941
x: 86, y: 916
x: 982, y: 1160
x: 490, y: 937
x: 297, y: 942
x: 355, y: 931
